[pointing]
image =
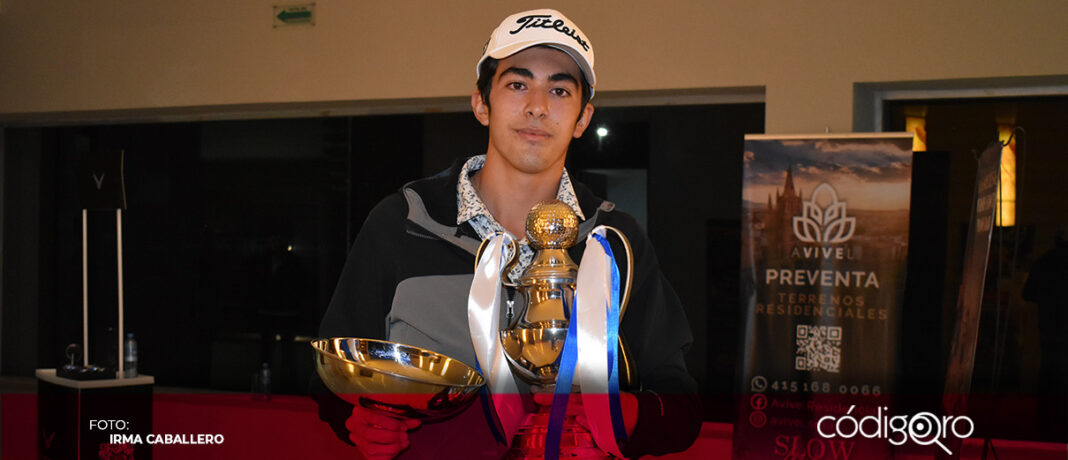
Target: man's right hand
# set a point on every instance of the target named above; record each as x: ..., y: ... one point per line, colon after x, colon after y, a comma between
x: 378, y: 436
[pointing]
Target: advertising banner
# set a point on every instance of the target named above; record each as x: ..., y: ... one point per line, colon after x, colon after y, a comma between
x: 970, y: 297
x: 825, y: 224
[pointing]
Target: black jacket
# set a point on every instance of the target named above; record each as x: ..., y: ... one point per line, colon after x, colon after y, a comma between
x: 411, y: 238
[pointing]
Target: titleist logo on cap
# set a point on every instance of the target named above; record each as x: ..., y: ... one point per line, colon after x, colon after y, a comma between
x: 545, y: 21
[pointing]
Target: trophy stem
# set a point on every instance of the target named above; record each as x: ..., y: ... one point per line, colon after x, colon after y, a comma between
x: 576, y: 442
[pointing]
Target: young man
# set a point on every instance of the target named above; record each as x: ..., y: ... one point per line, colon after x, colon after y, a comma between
x: 410, y: 269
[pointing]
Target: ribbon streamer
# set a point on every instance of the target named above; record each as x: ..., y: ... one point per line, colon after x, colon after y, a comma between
x: 483, y: 319
x: 612, y: 342
x: 597, y: 298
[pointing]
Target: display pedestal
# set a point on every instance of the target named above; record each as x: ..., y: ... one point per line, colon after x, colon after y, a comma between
x: 76, y: 418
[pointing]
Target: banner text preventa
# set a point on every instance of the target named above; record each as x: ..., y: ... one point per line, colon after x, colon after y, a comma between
x: 825, y: 278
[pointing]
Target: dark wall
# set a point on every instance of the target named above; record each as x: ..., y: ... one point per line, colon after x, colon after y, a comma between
x: 22, y: 249
x: 695, y: 183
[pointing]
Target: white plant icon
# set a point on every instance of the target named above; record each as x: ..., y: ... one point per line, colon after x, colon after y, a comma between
x: 827, y: 224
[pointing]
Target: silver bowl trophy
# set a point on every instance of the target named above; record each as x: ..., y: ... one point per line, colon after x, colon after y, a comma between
x: 396, y: 379
x: 534, y: 336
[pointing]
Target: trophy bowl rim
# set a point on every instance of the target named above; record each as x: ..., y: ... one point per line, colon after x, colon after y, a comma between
x: 481, y: 381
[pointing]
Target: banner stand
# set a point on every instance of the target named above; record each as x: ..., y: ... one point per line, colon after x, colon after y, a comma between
x: 825, y: 232
x: 86, y: 411
x: 120, y: 373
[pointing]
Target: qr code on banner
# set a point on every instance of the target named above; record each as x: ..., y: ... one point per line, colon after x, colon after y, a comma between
x: 818, y: 348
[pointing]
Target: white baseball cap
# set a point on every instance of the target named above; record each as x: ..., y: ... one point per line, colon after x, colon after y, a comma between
x: 540, y: 27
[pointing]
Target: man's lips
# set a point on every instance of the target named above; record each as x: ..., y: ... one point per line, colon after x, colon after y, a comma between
x: 532, y: 134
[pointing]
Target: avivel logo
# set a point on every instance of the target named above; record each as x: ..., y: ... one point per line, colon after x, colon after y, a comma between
x: 824, y: 224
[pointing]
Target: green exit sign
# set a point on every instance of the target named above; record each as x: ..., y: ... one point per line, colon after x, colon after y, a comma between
x: 291, y: 15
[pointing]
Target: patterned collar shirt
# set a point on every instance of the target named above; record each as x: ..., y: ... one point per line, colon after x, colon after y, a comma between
x: 471, y: 209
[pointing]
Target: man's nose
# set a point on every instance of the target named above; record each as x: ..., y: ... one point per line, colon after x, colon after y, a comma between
x: 537, y: 104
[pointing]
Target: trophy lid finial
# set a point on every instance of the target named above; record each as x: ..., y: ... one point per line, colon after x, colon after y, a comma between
x: 552, y: 225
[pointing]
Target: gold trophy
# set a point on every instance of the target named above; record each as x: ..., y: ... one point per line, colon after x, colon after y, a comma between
x: 535, y: 334
x: 396, y: 379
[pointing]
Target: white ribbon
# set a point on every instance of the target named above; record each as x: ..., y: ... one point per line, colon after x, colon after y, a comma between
x: 483, y: 319
x: 594, y: 286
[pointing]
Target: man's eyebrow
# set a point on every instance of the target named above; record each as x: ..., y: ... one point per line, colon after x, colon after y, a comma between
x: 518, y: 71
x: 563, y: 77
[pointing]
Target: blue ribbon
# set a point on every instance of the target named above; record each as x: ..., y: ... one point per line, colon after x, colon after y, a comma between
x: 488, y: 411
x: 612, y: 336
x: 568, y: 359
